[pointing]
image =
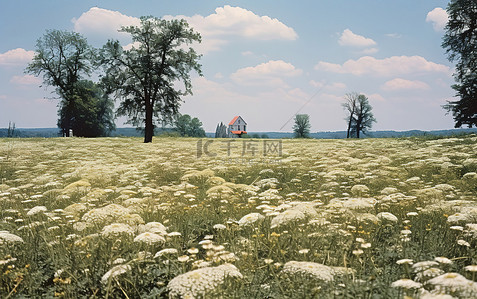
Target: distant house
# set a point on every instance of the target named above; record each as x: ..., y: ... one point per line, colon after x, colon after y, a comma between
x: 237, y: 127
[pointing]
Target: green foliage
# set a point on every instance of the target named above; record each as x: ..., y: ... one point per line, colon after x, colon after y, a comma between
x: 221, y: 131
x: 63, y: 58
x: 461, y: 47
x: 188, y: 126
x: 11, y: 129
x: 302, y: 126
x: 61, y: 257
x: 91, y: 110
x: 146, y: 76
x: 360, y: 118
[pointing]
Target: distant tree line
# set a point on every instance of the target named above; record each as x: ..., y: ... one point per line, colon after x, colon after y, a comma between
x: 145, y: 77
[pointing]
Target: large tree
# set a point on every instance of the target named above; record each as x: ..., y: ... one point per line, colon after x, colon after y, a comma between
x: 460, y: 42
x: 64, y: 58
x: 189, y: 127
x: 350, y: 107
x: 147, y: 76
x: 92, y: 110
x: 360, y: 119
x: 302, y: 125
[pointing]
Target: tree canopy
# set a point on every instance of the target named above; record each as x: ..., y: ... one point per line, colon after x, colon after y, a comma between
x: 147, y: 77
x: 65, y: 59
x: 92, y: 111
x: 460, y: 42
x: 188, y: 126
x: 350, y: 107
x: 302, y: 126
x: 360, y: 119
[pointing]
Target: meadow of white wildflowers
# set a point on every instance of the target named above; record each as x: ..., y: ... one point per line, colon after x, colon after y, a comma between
x: 113, y: 217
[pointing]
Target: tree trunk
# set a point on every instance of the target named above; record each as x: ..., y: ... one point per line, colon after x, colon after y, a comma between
x: 349, y: 125
x: 149, y: 129
x: 358, y: 128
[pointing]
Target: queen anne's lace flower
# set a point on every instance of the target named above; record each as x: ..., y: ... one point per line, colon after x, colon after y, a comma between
x: 287, y: 217
x: 166, y: 251
x: 406, y: 283
x: 386, y: 216
x: 6, y: 237
x: 36, y: 210
x: 315, y: 270
x: 250, y: 219
x: 455, y: 282
x: 114, y: 272
x: 200, y: 282
x: 116, y: 229
x: 109, y: 213
x: 149, y: 238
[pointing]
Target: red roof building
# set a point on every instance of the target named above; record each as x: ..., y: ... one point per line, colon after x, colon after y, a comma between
x: 237, y: 127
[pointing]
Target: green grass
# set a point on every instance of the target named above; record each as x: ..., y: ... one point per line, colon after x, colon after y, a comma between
x: 66, y: 253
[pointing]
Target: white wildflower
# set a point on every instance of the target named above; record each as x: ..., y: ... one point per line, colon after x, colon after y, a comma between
x: 114, y: 272
x: 193, y: 250
x: 36, y: 210
x: 406, y: 283
x: 116, y: 229
x: 442, y: 260
x: 471, y: 268
x: 315, y: 270
x: 428, y: 273
x: 366, y: 245
x: 174, y: 234
x: 287, y: 217
x: 250, y: 219
x: 386, y: 216
x: 183, y: 258
x: 359, y: 190
x: 149, y: 238
x: 166, y: 251
x: 421, y: 266
x: 359, y: 203
x: 454, y: 282
x: 200, y: 282
x: 9, y: 238
x: 405, y: 261
x: 154, y: 227
x: 458, y: 217
x: 219, y: 226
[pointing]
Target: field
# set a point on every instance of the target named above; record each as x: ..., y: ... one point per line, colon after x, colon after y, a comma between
x: 190, y: 218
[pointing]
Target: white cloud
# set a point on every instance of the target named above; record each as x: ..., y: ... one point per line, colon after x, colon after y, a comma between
x: 102, y: 24
x: 16, y: 57
x: 400, y: 84
x: 438, y: 17
x: 26, y: 80
x: 269, y: 73
x: 369, y: 51
x: 238, y: 21
x: 348, y: 38
x: 218, y: 28
x: 336, y: 86
x: 392, y: 66
x: 99, y: 25
x: 394, y: 35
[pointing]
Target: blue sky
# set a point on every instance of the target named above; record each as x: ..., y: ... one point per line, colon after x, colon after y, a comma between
x: 262, y: 60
